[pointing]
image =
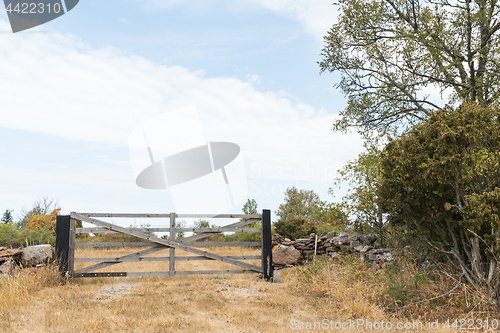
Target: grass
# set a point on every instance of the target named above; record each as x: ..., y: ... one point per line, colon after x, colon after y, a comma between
x: 41, y: 301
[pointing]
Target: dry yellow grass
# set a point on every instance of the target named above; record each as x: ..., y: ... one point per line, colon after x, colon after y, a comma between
x: 39, y: 301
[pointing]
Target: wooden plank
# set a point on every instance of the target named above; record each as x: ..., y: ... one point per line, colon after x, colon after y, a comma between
x: 71, y: 250
x: 177, y: 258
x: 62, y: 242
x: 267, y: 247
x: 166, y: 242
x: 207, y: 244
x: 219, y: 229
x: 141, y: 244
x: 115, y: 244
x: 117, y: 274
x: 100, y: 274
x: 201, y: 216
x: 106, y: 231
x: 171, y: 237
x: 220, y: 216
x: 229, y: 271
x: 126, y: 257
x: 208, y: 234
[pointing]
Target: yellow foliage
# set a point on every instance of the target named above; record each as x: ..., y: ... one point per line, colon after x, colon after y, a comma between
x: 36, y: 222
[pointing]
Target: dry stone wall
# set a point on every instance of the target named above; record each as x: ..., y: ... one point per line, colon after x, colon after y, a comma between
x: 288, y: 253
x: 31, y: 256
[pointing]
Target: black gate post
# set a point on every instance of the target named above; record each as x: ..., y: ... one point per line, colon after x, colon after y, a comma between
x: 65, y: 231
x: 267, y: 247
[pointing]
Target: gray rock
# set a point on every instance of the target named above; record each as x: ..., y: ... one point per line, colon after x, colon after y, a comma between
x: 363, y: 248
x: 368, y: 239
x: 358, y: 248
x: 286, y: 256
x: 339, y: 241
x: 335, y: 255
x: 7, y: 267
x: 343, y: 235
x: 38, y: 254
x: 388, y: 256
x: 366, y: 248
x: 284, y: 274
x: 331, y: 234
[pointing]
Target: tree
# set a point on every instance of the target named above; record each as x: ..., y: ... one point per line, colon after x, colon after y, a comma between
x: 37, y: 222
x: 363, y: 177
x: 298, y: 203
x: 7, y: 216
x: 250, y: 207
x: 42, y: 206
x: 203, y: 224
x: 441, y: 180
x: 392, y: 53
x: 297, y: 214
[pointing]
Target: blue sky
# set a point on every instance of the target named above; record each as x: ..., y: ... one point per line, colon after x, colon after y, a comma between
x: 74, y: 89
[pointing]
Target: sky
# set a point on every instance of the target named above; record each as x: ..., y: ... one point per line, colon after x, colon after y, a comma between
x: 75, y: 89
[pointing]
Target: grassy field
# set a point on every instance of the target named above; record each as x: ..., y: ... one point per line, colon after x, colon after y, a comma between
x: 325, y: 293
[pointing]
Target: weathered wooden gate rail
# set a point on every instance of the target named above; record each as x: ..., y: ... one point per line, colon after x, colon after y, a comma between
x: 66, y: 233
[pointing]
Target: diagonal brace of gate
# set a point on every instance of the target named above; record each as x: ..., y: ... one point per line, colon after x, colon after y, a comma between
x: 159, y: 248
x: 165, y: 242
x: 128, y: 256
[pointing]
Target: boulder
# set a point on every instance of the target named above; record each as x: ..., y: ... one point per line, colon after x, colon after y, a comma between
x: 343, y: 235
x: 335, y: 255
x: 284, y: 274
x: 7, y: 267
x: 368, y: 239
x: 9, y: 253
x: 38, y: 254
x: 363, y: 248
x: 339, y: 241
x: 362, y: 240
x: 276, y: 239
x: 331, y: 234
x: 285, y: 256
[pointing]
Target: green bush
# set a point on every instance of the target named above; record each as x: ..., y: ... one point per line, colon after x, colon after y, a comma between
x: 295, y: 227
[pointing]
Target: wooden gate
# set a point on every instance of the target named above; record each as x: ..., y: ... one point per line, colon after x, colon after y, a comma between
x: 66, y: 234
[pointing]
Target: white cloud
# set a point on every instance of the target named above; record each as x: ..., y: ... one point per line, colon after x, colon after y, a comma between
x: 317, y: 16
x: 55, y: 84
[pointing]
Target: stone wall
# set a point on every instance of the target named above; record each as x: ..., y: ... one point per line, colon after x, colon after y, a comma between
x: 31, y: 256
x: 288, y: 253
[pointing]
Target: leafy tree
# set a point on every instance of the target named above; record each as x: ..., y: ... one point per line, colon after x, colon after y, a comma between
x: 363, y: 176
x: 297, y: 214
x: 203, y: 224
x: 180, y: 224
x: 7, y: 216
x: 37, y: 222
x: 298, y: 203
x: 42, y: 206
x: 250, y: 207
x: 9, y: 235
x: 392, y: 53
x: 441, y: 180
x: 332, y: 216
